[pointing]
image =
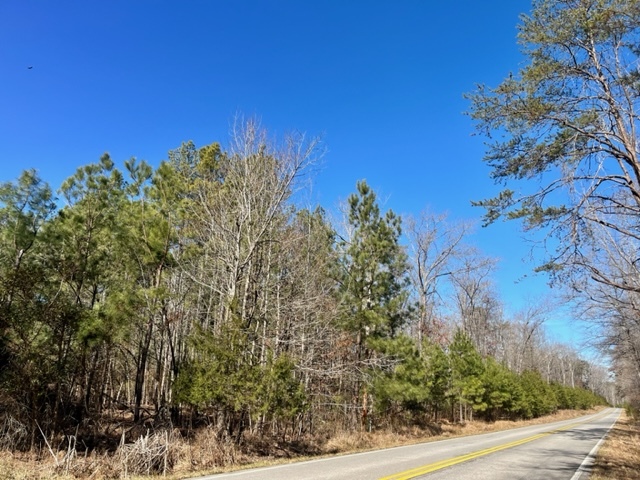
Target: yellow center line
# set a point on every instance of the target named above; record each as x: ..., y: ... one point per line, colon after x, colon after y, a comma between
x: 432, y: 467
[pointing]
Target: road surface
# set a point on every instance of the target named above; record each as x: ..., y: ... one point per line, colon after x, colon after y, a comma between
x: 554, y: 451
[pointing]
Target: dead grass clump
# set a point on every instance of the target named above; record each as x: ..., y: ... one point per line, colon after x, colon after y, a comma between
x: 206, y: 451
x: 25, y: 466
x: 163, y: 452
x: 344, y: 442
x: 348, y: 442
x: 153, y: 453
x: 478, y: 427
x: 619, y: 456
x: 13, y: 434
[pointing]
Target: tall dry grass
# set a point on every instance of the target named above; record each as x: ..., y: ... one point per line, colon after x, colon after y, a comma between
x: 619, y: 455
x: 171, y: 455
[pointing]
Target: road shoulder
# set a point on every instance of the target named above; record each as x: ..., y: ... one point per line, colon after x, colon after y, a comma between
x: 619, y: 455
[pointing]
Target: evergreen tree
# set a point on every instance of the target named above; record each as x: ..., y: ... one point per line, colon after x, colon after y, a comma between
x: 438, y: 370
x: 502, y: 393
x: 374, y: 267
x: 538, y: 396
x: 406, y: 386
x: 373, y: 294
x: 467, y: 370
x: 224, y: 377
x: 31, y: 314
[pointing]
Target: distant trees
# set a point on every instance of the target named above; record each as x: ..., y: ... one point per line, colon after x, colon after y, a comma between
x: 569, y: 120
x: 477, y: 307
x: 457, y: 382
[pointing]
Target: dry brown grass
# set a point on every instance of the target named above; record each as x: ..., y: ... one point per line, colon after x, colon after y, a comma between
x: 474, y: 428
x: 169, y: 454
x: 619, y: 455
x: 346, y: 442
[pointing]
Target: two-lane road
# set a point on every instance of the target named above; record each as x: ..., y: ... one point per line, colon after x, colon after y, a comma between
x: 559, y: 450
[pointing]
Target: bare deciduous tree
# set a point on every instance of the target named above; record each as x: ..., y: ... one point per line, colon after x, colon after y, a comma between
x: 479, y: 311
x: 435, y: 250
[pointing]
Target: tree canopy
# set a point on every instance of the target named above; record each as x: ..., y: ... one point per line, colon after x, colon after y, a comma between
x: 568, y: 122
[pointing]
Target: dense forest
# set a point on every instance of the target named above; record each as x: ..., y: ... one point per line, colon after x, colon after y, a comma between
x: 199, y: 294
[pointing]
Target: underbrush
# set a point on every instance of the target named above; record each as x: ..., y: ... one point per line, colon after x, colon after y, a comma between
x: 173, y: 454
x: 619, y: 456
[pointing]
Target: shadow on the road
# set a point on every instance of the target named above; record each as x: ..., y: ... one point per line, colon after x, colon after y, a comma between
x: 586, y: 435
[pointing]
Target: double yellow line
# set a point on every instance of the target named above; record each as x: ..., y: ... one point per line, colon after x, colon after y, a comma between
x: 432, y: 467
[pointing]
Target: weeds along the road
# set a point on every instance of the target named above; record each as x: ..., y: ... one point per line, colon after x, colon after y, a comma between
x: 204, y: 455
x: 619, y: 456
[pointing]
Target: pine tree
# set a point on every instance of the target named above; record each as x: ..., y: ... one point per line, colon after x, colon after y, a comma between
x: 466, y: 376
x: 372, y: 290
x: 373, y: 282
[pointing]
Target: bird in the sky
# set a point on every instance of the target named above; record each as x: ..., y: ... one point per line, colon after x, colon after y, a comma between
x: 29, y: 67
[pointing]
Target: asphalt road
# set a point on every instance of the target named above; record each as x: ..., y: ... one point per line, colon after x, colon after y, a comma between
x: 554, y: 451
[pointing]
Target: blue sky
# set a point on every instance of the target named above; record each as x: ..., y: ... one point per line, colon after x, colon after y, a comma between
x: 381, y: 81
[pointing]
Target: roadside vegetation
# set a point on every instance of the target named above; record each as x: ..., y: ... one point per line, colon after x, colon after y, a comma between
x: 618, y: 456
x: 204, y: 454
x: 194, y: 315
x: 191, y: 308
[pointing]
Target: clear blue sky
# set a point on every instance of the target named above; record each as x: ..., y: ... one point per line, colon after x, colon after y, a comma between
x: 381, y: 81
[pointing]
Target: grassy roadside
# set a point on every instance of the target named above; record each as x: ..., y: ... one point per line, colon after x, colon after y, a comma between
x: 619, y: 455
x: 195, y: 458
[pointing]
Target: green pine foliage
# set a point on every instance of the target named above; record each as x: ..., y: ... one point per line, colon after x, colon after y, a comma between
x: 224, y: 379
x: 425, y: 382
x: 407, y: 384
x: 467, y: 370
x: 198, y: 289
x: 373, y: 282
x: 222, y: 374
x: 503, y: 395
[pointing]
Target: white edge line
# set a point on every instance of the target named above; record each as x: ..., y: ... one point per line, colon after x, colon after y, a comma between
x: 588, y: 461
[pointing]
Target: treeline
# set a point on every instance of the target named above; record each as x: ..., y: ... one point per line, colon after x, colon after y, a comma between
x: 455, y: 382
x: 197, y: 292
